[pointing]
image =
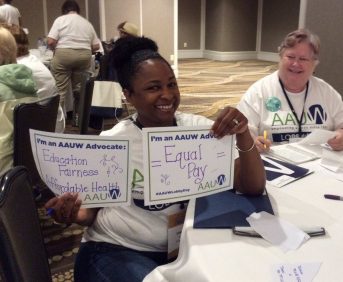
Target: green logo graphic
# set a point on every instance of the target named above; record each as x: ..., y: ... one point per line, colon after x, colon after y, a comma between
x: 273, y: 104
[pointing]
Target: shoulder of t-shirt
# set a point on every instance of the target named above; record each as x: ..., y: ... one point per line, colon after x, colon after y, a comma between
x: 187, y: 119
x: 120, y: 128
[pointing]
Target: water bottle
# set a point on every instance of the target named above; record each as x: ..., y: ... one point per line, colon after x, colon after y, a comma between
x: 39, y: 42
x: 41, y: 46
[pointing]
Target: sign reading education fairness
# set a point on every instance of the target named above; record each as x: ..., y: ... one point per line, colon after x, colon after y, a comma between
x: 95, y: 167
x: 185, y: 162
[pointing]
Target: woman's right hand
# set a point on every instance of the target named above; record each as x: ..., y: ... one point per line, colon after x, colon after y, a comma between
x: 65, y: 208
x: 262, y: 144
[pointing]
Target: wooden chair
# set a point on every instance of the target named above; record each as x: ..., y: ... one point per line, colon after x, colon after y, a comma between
x: 23, y: 255
x: 39, y: 115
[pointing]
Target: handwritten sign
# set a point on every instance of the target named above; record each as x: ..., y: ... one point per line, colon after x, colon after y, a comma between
x: 295, y: 272
x: 95, y: 167
x: 185, y: 162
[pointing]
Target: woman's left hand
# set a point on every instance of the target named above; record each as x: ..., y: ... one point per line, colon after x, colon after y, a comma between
x: 336, y: 142
x: 230, y: 121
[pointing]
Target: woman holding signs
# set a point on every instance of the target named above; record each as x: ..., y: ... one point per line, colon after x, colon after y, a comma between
x: 126, y: 243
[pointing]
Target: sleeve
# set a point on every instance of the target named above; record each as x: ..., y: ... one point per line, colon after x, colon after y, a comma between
x: 250, y: 106
x: 54, y: 33
x: 95, y: 39
x: 19, y: 15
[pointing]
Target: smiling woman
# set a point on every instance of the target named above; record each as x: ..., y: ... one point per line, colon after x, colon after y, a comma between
x: 291, y: 101
x: 125, y: 243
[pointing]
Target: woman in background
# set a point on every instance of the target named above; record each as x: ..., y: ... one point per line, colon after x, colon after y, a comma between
x: 74, y: 39
x: 16, y: 86
x: 9, y: 14
x: 45, y: 82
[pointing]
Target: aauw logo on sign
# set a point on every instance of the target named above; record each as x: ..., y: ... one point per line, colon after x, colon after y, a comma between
x: 115, y: 192
x: 221, y: 179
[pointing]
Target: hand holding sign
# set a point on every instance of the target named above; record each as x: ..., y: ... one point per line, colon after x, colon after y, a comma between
x: 94, y: 167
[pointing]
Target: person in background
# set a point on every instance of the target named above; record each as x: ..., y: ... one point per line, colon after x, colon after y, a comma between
x: 16, y: 86
x: 9, y: 14
x: 126, y: 243
x: 107, y: 73
x: 45, y: 82
x: 127, y: 29
x: 74, y: 40
x: 291, y: 102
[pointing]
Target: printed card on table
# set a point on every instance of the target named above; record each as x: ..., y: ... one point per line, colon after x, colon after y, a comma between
x: 185, y: 162
x: 95, y: 167
x: 280, y: 173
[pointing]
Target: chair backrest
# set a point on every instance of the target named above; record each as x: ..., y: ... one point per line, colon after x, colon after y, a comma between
x: 86, y: 95
x: 39, y: 115
x: 23, y: 255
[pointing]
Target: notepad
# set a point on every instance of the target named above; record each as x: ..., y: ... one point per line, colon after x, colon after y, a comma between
x: 292, y: 153
x: 228, y: 209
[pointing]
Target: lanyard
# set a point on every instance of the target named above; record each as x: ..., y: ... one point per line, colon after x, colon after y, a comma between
x: 291, y: 106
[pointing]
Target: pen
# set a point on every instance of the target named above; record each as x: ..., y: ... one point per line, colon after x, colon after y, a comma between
x: 265, y: 138
x: 333, y: 197
x: 50, y: 211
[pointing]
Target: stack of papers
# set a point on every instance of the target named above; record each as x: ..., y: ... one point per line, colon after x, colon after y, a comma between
x: 294, y: 153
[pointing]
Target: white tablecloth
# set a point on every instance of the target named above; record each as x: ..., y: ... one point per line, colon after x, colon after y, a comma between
x: 218, y: 255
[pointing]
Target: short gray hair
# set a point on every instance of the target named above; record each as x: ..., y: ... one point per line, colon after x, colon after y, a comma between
x: 299, y: 36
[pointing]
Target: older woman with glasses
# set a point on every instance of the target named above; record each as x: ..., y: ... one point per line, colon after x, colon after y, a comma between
x: 290, y: 103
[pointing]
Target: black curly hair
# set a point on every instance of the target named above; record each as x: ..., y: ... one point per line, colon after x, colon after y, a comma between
x: 70, y: 6
x: 128, y: 53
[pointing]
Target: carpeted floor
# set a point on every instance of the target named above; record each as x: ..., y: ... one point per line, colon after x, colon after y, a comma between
x: 206, y: 87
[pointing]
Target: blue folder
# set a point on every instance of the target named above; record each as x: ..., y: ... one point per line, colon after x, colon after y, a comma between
x: 228, y: 209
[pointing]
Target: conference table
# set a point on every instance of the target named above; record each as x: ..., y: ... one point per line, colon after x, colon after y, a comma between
x: 219, y: 255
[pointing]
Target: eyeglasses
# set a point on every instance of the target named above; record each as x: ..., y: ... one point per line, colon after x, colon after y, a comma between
x: 301, y: 60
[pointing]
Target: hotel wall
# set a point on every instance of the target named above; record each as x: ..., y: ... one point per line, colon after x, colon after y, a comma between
x: 325, y: 19
x: 279, y: 17
x: 230, y: 26
x: 155, y: 19
x: 38, y: 19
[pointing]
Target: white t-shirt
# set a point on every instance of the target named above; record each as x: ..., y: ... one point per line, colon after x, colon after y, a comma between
x: 45, y: 83
x: 9, y: 14
x: 266, y: 107
x: 74, y: 32
x: 137, y: 226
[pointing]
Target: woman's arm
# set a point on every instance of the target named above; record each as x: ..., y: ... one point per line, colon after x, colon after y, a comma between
x: 336, y: 142
x: 250, y: 177
x: 52, y: 43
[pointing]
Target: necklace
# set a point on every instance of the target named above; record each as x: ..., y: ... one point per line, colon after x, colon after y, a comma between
x: 140, y: 126
x: 291, y: 106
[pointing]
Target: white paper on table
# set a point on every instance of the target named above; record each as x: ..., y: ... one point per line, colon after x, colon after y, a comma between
x: 277, y: 231
x: 295, y: 272
x: 332, y: 160
x: 317, y: 137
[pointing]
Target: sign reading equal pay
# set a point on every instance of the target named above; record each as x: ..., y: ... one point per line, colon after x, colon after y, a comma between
x: 95, y: 167
x: 185, y: 162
